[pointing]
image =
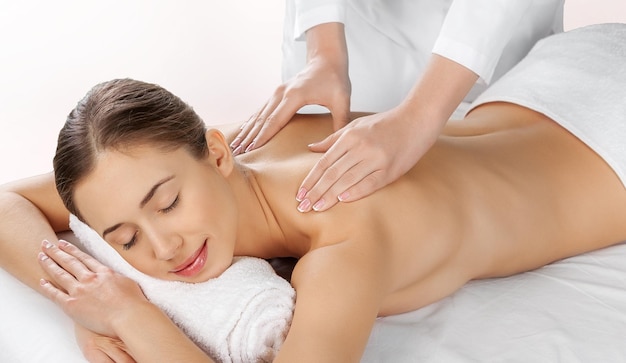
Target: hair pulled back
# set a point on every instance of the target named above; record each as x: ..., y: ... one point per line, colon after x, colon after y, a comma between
x: 118, y: 115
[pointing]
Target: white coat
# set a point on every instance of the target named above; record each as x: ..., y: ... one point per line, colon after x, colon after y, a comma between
x: 390, y: 41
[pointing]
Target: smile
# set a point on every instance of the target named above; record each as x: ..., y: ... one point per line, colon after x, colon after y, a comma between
x: 193, y: 264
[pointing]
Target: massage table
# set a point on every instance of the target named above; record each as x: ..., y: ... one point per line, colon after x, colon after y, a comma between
x: 572, y: 310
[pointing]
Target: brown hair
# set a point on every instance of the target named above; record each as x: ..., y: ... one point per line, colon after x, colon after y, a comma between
x: 117, y: 115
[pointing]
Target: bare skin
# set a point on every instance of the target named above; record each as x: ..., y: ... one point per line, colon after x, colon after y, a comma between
x: 506, y: 191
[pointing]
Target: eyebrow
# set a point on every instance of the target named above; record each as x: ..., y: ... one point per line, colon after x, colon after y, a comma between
x: 143, y: 202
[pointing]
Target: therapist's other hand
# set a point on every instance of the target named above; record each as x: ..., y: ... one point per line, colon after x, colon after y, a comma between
x: 367, y: 154
x: 92, y: 294
x: 323, y: 81
x: 98, y: 348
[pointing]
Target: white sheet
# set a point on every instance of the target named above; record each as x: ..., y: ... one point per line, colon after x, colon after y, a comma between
x: 570, y: 311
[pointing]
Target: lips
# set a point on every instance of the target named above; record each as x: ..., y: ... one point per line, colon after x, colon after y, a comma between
x: 194, y: 264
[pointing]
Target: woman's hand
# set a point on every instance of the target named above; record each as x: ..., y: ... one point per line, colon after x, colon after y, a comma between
x: 112, y: 305
x: 89, y: 292
x: 323, y: 81
x: 101, y: 349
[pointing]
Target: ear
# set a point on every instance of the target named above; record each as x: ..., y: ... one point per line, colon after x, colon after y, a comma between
x: 220, y: 154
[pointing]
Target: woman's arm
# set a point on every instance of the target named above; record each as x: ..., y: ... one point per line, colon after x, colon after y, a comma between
x: 110, y: 304
x: 30, y: 211
x: 339, y: 291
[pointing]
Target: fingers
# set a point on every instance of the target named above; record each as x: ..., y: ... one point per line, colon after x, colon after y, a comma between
x: 328, y: 159
x: 339, y: 175
x: 350, y: 169
x: 346, y: 180
x: 90, y: 262
x: 97, y: 356
x: 59, y: 274
x: 68, y: 258
x: 262, y: 126
x: 102, y: 349
x: 340, y: 113
x: 275, y: 122
x: 47, y: 289
x: 67, y: 265
x: 324, y: 145
x: 107, y: 352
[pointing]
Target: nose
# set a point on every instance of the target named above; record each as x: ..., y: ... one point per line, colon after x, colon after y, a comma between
x: 165, y: 245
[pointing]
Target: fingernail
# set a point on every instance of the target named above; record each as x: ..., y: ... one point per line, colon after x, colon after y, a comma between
x: 63, y: 243
x: 42, y: 282
x: 343, y: 196
x: 319, y: 205
x: 304, y: 205
x: 42, y: 256
x: 235, y: 143
x: 237, y: 151
x: 301, y: 194
x: 46, y: 244
x: 251, y: 146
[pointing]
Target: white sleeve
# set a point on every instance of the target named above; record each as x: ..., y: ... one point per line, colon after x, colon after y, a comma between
x: 310, y: 13
x: 475, y: 32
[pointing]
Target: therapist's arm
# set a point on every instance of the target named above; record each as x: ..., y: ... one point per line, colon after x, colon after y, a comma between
x: 440, y: 90
x: 476, y: 32
x: 379, y: 148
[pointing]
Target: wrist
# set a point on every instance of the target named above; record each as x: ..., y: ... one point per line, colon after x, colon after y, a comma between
x: 440, y: 90
x: 420, y: 117
x: 328, y: 42
x: 131, y: 318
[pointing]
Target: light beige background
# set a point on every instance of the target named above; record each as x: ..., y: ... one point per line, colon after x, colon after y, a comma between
x: 222, y: 57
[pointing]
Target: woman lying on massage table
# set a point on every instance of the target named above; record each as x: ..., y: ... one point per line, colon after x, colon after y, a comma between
x: 505, y: 191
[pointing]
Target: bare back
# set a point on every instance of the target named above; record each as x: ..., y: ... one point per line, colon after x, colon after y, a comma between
x: 504, y: 191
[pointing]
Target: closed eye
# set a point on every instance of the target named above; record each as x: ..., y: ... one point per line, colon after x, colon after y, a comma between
x: 131, y: 243
x: 171, y: 206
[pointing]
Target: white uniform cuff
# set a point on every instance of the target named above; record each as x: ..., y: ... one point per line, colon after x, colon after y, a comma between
x: 333, y: 12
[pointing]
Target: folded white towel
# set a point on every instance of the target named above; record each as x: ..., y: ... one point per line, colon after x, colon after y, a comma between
x: 241, y: 316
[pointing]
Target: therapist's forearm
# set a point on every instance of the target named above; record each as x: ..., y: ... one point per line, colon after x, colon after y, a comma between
x: 327, y: 41
x: 439, y: 91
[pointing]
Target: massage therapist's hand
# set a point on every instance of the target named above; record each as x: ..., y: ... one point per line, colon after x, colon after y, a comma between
x: 92, y: 294
x: 373, y: 151
x: 100, y: 348
x: 367, y: 154
x: 323, y: 81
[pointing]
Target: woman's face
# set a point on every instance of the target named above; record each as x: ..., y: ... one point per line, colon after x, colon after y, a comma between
x: 168, y: 214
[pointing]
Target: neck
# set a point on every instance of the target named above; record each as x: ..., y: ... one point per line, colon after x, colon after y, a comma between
x: 258, y: 232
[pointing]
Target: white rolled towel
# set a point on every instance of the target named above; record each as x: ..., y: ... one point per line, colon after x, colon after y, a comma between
x: 241, y: 316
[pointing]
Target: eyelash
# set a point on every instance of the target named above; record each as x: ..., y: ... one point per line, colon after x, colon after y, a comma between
x: 166, y: 210
x: 172, y: 206
x: 131, y: 243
